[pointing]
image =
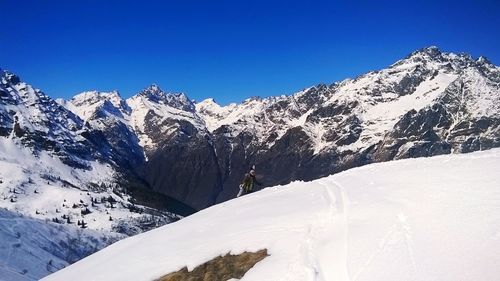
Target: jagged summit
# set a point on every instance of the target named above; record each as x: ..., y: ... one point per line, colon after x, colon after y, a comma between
x: 89, y: 103
x: 483, y: 60
x: 9, y: 77
x: 153, y: 92
x: 92, y: 96
x: 176, y: 100
x: 432, y: 51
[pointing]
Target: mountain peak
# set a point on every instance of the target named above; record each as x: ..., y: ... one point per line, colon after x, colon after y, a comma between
x: 431, y: 51
x: 483, y: 60
x: 155, y: 88
x: 208, y: 101
x: 155, y: 94
x: 92, y: 97
x: 9, y: 77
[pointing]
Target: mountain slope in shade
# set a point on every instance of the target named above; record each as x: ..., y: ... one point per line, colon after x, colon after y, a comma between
x: 109, y: 113
x: 171, y: 136
x: 416, y: 219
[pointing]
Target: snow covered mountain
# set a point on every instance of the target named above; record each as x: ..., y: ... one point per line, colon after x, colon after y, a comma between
x: 415, y: 219
x: 52, y: 159
x: 59, y: 172
x: 107, y: 112
x: 426, y: 104
x: 124, y: 165
x: 176, y: 150
x: 37, y: 121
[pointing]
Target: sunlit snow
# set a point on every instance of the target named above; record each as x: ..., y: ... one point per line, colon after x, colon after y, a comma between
x: 418, y: 219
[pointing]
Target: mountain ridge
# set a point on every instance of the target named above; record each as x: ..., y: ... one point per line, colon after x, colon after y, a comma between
x: 320, y: 130
x: 334, y: 127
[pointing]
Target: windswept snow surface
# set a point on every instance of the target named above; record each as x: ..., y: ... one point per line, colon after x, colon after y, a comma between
x: 417, y: 219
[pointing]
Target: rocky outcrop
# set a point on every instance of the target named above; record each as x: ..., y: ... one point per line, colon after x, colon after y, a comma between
x: 186, y: 169
x: 40, y: 123
x: 221, y: 268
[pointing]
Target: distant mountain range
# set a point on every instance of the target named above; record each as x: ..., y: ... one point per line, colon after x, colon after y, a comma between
x: 426, y: 104
x: 128, y: 165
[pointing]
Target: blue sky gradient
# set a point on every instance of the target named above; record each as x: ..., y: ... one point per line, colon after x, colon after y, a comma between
x: 229, y: 50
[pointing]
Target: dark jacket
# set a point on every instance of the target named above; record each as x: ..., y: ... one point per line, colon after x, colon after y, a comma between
x: 248, y: 182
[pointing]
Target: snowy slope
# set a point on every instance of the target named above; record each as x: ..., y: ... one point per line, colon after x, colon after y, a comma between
x: 44, y: 188
x: 86, y: 104
x: 417, y: 219
x: 31, y: 249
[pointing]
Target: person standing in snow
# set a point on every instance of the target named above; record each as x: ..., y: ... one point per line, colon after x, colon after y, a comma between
x: 248, y: 183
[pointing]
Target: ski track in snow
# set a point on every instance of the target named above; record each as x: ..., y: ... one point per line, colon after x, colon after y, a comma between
x: 338, y: 225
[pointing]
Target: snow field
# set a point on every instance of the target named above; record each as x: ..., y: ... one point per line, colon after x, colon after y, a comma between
x: 418, y: 219
x: 23, y: 182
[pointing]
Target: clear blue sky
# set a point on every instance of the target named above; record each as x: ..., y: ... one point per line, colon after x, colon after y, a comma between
x: 229, y: 50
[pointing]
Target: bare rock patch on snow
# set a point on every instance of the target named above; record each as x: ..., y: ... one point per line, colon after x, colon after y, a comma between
x: 221, y: 268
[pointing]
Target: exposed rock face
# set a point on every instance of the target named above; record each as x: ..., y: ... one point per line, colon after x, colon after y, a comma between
x: 160, y: 139
x: 37, y: 121
x: 107, y: 112
x: 185, y: 168
x: 221, y: 268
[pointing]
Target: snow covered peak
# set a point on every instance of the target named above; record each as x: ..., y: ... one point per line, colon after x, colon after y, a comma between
x: 207, y: 103
x: 433, y: 58
x: 483, y: 60
x: 431, y: 51
x: 154, y: 88
x: 155, y: 94
x: 34, y: 120
x: 31, y: 110
x: 156, y: 115
x: 96, y: 96
x: 88, y: 104
x: 9, y: 77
